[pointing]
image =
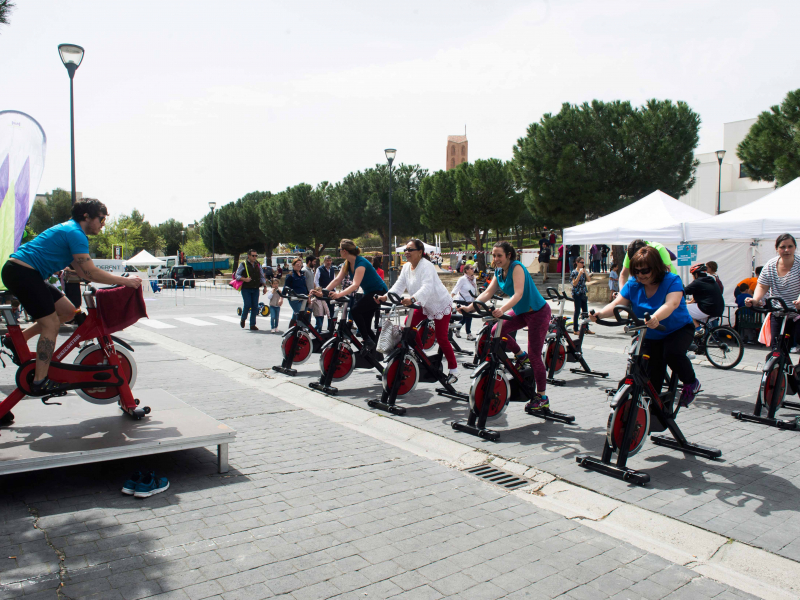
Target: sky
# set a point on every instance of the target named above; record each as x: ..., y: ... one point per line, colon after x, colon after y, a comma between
x: 179, y: 103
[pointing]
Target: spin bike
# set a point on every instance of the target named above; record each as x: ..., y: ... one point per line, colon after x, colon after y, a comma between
x: 402, y: 371
x: 101, y: 373
x: 483, y: 339
x: 779, y: 372
x: 560, y: 347
x: 342, y: 353
x: 627, y: 432
x: 302, y: 338
x: 498, y: 381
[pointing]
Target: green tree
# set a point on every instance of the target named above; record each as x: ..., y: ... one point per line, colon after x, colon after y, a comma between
x: 771, y: 149
x: 485, y: 197
x: 362, y: 201
x: 593, y: 159
x: 56, y: 208
x: 437, y: 201
x: 206, y: 228
x: 172, y: 233
x: 6, y: 6
x: 304, y: 215
x: 238, y: 225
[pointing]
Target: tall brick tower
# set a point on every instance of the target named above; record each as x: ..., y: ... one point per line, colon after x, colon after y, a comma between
x: 457, y: 151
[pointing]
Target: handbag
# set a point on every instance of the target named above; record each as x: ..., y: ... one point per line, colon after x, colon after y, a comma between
x: 390, y: 333
x: 235, y: 284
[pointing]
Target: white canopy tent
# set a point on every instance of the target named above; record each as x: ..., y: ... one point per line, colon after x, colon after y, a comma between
x: 428, y: 249
x: 145, y: 259
x: 764, y: 219
x: 658, y: 217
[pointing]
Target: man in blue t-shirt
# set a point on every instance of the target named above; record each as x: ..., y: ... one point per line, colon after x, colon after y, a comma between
x: 26, y: 270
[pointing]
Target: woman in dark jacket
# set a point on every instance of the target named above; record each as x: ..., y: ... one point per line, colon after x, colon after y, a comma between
x: 296, y: 281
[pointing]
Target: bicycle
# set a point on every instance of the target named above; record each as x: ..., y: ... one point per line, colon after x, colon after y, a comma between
x: 627, y: 432
x: 408, y: 364
x: 302, y: 338
x: 721, y: 344
x: 560, y: 348
x: 777, y: 375
x: 103, y: 372
x: 483, y: 338
x: 342, y: 354
x: 498, y: 381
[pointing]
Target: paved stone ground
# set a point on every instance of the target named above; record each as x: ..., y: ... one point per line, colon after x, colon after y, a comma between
x: 310, y: 509
x: 750, y: 494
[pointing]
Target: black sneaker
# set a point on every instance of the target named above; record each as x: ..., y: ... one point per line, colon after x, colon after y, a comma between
x: 8, y: 343
x: 7, y: 418
x: 47, y: 387
x: 368, y: 347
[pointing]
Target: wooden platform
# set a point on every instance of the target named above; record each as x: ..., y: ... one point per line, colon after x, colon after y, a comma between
x: 78, y: 432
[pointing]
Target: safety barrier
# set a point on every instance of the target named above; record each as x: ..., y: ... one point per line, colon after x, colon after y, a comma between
x: 202, y: 288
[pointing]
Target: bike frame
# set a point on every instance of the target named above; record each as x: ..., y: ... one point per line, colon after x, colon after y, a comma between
x: 342, y: 335
x: 780, y: 356
x: 574, y: 348
x: 72, y: 376
x: 409, y: 344
x: 641, y: 393
x: 497, y: 358
x: 303, y: 320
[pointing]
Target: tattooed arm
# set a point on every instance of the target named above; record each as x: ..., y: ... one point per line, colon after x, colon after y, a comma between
x: 88, y: 270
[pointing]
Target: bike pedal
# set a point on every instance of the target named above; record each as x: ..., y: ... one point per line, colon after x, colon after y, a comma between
x: 57, y: 395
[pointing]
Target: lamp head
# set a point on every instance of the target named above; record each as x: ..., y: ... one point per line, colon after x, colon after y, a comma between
x: 71, y: 56
x: 125, y: 231
x: 720, y: 155
x: 212, y: 205
x: 390, y: 154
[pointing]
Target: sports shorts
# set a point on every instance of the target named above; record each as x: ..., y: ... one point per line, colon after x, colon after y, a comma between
x: 36, y: 296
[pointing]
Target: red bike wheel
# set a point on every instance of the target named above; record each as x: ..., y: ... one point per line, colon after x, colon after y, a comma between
x: 428, y: 335
x: 347, y: 361
x: 774, y: 388
x: 409, y: 375
x: 93, y: 355
x: 550, y: 352
x: 302, y: 350
x: 618, y: 420
x: 496, y: 392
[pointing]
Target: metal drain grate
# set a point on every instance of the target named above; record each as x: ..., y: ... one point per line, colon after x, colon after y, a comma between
x: 498, y: 477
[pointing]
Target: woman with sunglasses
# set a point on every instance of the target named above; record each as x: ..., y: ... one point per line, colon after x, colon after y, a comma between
x: 363, y: 275
x: 580, y: 295
x: 530, y: 310
x: 420, y: 278
x: 655, y: 290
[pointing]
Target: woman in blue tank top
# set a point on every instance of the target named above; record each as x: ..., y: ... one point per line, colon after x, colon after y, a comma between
x: 529, y: 310
x: 363, y: 275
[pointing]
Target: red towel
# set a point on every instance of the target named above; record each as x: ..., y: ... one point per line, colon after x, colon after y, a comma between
x: 120, y: 307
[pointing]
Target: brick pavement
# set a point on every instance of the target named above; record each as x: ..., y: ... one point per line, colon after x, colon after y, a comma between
x: 750, y: 494
x: 310, y: 509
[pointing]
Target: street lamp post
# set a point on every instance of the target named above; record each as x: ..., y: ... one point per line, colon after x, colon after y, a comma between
x: 212, y: 206
x: 71, y: 56
x: 720, y: 156
x: 390, y: 154
x: 124, y: 242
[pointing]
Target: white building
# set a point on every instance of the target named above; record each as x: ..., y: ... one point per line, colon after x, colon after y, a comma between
x: 737, y: 188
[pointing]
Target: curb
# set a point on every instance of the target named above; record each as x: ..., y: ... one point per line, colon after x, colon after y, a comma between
x: 747, y: 568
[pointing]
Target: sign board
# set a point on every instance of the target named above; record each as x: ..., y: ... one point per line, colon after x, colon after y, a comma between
x: 117, y: 254
x: 687, y: 253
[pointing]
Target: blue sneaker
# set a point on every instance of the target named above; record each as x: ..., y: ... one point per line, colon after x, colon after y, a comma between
x: 129, y: 487
x: 539, y: 402
x: 150, y: 486
x: 523, y: 361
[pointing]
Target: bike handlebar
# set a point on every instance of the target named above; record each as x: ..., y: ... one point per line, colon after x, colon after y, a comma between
x: 396, y: 300
x: 554, y: 294
x: 774, y: 304
x: 631, y: 321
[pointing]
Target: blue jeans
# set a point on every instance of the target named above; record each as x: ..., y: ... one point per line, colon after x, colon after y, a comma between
x: 296, y: 306
x: 250, y: 297
x: 580, y: 302
x: 318, y: 323
x: 274, y: 313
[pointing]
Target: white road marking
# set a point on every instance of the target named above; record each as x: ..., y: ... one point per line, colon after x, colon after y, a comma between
x: 154, y: 324
x: 195, y: 322
x: 226, y: 318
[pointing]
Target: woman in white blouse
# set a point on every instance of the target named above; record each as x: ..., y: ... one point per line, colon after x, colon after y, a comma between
x: 466, y: 289
x: 420, y: 278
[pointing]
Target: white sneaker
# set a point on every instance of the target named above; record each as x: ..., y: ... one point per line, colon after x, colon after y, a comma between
x: 795, y: 350
x: 458, y: 333
x: 470, y: 337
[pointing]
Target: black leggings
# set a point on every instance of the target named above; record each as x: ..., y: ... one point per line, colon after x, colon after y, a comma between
x: 581, y: 306
x: 362, y: 314
x: 670, y: 350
